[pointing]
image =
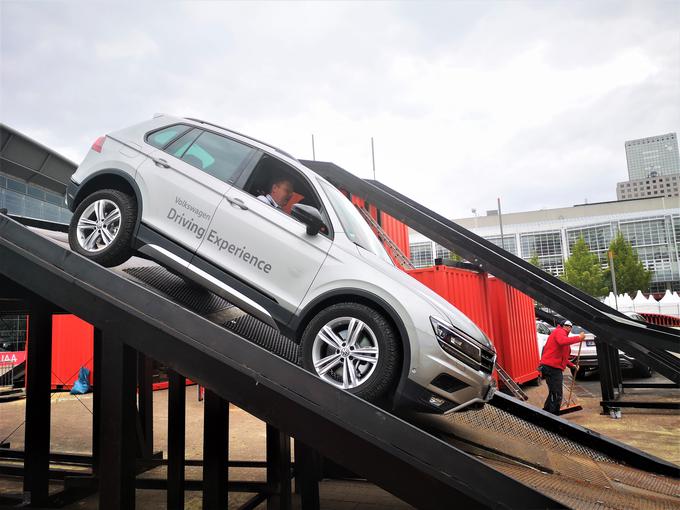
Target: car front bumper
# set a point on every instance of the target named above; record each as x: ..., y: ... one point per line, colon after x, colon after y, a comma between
x: 442, y: 384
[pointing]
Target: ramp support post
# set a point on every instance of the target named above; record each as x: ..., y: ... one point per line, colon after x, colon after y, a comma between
x: 145, y: 389
x: 96, y: 398
x: 176, y: 440
x: 38, y: 395
x: 307, y: 475
x: 117, y: 439
x: 611, y: 384
x: 278, y: 469
x: 215, y: 451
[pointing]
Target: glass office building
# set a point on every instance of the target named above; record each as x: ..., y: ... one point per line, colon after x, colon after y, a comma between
x: 651, y: 225
x: 33, y: 178
x: 22, y: 198
x: 653, y: 156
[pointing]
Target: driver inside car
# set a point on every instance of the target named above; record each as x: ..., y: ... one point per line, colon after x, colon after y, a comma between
x: 280, y: 193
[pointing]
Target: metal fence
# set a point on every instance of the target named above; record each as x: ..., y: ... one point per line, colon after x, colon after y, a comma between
x: 6, y: 374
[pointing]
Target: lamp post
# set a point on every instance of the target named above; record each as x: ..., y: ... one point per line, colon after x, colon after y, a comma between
x: 373, y: 157
x: 611, y: 267
x: 500, y: 222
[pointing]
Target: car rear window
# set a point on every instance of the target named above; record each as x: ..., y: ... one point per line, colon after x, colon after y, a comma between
x: 164, y: 136
x: 180, y: 146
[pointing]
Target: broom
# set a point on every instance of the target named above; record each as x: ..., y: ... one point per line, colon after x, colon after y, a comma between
x: 570, y: 405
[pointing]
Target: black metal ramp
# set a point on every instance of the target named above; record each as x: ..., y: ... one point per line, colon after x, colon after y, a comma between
x: 399, y: 457
x: 649, y: 343
x: 531, y: 460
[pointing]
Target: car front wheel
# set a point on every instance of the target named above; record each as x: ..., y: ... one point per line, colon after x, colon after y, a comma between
x: 352, y: 347
x: 102, y: 227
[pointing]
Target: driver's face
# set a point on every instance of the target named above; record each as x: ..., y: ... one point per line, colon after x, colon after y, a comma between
x: 281, y: 192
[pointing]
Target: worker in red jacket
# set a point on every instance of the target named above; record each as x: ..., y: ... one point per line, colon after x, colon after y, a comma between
x: 554, y: 360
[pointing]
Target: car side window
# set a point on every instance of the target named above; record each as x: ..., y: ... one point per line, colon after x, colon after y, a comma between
x: 294, y: 188
x: 217, y: 155
x: 162, y: 137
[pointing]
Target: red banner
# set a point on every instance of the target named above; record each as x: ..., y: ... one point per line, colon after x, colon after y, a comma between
x: 12, y: 357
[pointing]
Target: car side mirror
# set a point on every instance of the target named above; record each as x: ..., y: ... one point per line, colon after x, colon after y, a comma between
x: 308, y: 215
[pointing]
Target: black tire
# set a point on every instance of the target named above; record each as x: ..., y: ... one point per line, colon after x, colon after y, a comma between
x: 388, y: 364
x: 642, y: 371
x: 119, y: 248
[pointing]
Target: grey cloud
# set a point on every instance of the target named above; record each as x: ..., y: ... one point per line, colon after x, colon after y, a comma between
x: 405, y: 73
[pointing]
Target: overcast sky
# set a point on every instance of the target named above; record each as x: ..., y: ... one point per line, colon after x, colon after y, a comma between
x: 466, y: 102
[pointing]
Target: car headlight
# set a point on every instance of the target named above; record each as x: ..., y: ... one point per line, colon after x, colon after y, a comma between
x: 457, y: 344
x: 448, y: 336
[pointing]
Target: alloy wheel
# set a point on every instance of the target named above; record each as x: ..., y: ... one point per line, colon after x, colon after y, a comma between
x: 345, y: 352
x: 98, y: 225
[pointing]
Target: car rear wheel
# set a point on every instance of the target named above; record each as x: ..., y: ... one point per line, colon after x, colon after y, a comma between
x: 352, y: 347
x: 102, y: 227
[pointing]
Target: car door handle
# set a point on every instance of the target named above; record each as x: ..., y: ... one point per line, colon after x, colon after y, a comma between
x: 161, y: 162
x: 237, y: 202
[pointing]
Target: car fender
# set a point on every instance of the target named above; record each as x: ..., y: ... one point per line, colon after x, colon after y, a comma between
x: 85, y: 188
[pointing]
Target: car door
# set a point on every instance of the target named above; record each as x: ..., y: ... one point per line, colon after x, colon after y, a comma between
x: 183, y: 182
x: 264, y: 246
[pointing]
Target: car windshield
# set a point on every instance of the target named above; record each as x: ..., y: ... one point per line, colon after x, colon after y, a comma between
x: 355, y: 227
x: 577, y: 329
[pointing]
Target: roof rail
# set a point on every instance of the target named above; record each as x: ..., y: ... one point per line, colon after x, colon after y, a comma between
x: 244, y: 136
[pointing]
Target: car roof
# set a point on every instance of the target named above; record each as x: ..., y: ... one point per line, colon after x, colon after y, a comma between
x: 231, y: 131
x: 264, y: 146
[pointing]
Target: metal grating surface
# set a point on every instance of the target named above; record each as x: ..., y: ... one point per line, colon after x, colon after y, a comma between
x: 266, y: 337
x: 579, y: 493
x: 204, y: 302
x: 195, y: 298
x: 575, y: 475
x: 500, y: 422
x: 647, y: 481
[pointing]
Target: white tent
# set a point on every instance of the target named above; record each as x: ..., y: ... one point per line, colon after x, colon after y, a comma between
x: 670, y: 304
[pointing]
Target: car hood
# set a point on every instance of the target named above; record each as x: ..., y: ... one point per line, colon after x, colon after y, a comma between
x: 441, y: 305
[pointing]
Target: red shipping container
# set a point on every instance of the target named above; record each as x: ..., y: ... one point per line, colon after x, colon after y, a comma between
x: 464, y: 289
x: 514, y: 330
x: 396, y: 231
x: 505, y: 314
x: 72, y: 348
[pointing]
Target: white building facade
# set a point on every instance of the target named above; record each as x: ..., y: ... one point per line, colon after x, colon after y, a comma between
x: 651, y: 225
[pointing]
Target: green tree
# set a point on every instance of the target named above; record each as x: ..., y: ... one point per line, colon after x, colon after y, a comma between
x: 631, y: 275
x: 535, y: 261
x: 583, y: 270
x: 455, y: 257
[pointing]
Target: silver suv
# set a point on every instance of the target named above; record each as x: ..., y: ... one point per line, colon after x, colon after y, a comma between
x: 255, y: 226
